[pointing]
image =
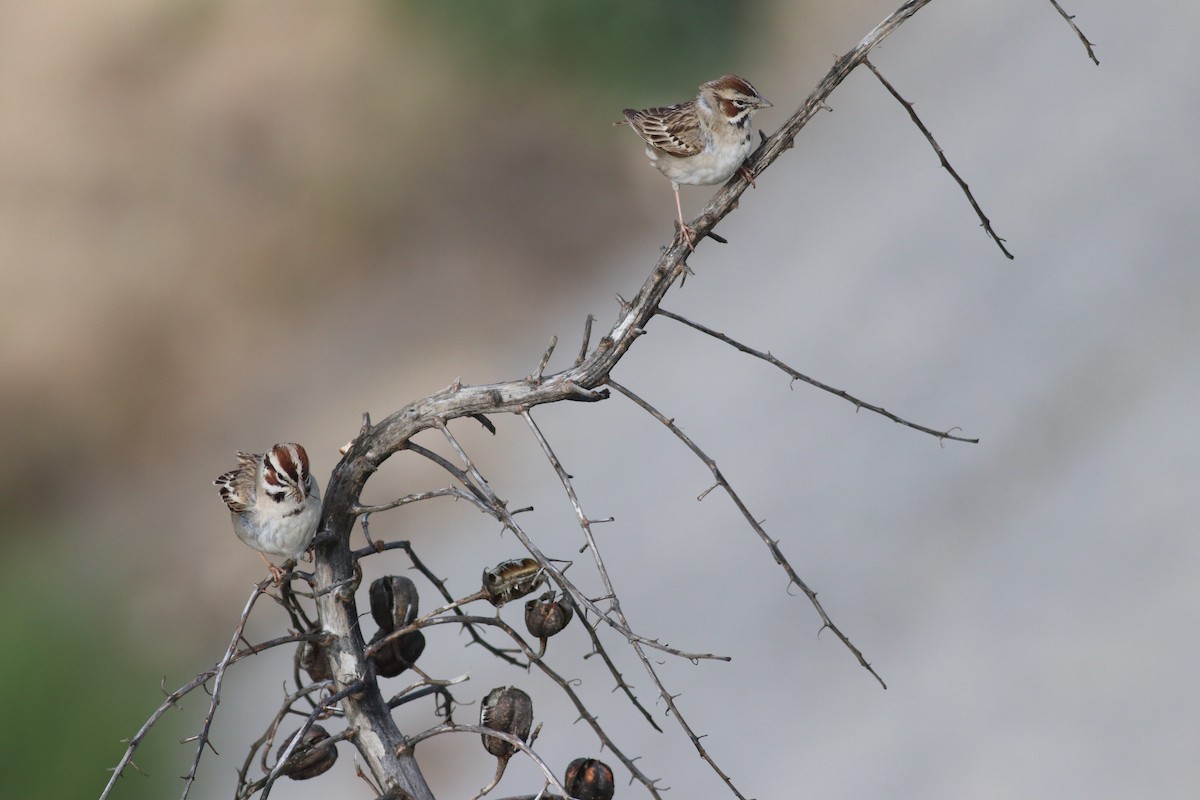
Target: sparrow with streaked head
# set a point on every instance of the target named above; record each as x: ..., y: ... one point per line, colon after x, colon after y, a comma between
x: 274, y: 501
x: 703, y: 141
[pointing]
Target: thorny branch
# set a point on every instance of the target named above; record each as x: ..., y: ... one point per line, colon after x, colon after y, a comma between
x: 173, y: 698
x: 202, y: 739
x: 388, y: 753
x: 267, y: 739
x: 585, y: 524
x: 770, y: 359
x: 772, y: 544
x: 1070, y: 18
x: 513, y: 740
x: 329, y: 702
x: 912, y: 113
x: 499, y: 509
x: 438, y: 584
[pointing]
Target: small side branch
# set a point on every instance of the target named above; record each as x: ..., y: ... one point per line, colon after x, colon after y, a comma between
x: 771, y: 544
x: 450, y: 491
x: 329, y: 702
x: 264, y: 743
x: 499, y: 509
x: 173, y: 698
x: 132, y: 746
x: 984, y: 221
x: 1070, y: 18
x: 445, y: 593
x: 585, y: 524
x: 541, y: 368
x: 770, y: 359
x: 202, y: 739
x: 516, y: 742
x: 587, y: 339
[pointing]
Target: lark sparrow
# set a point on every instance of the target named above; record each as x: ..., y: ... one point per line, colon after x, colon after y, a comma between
x: 703, y: 141
x: 274, y: 501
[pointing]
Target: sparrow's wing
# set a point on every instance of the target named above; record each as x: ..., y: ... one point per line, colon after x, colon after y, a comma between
x: 237, y: 485
x: 675, y: 130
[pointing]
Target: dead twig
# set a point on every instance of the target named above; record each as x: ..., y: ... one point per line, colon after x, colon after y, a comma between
x: 912, y: 113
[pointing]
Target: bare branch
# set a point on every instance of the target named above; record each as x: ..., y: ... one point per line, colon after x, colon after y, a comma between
x: 219, y: 675
x: 585, y: 524
x: 495, y: 734
x: 537, y: 376
x: 912, y: 113
x: 622, y: 684
x: 770, y: 359
x: 784, y: 139
x: 772, y: 544
x: 582, y: 381
x: 132, y: 745
x: 500, y: 510
x: 329, y: 702
x: 265, y: 741
x: 477, y: 497
x: 441, y: 587
x: 450, y: 491
x: 587, y: 338
x: 1070, y: 18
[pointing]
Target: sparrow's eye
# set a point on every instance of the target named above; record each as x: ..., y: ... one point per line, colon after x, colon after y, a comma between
x: 277, y: 496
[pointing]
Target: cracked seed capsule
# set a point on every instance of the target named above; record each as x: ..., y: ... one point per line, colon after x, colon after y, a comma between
x: 589, y: 779
x: 398, y: 655
x: 507, y: 709
x: 305, y: 762
x: 512, y: 579
x: 547, y: 616
x: 394, y: 602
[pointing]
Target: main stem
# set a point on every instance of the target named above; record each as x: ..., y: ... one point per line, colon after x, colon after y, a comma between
x: 383, y: 747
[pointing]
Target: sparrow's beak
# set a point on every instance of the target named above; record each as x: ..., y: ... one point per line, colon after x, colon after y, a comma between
x: 763, y: 103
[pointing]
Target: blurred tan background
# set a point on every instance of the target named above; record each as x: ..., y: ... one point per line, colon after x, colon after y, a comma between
x: 224, y: 225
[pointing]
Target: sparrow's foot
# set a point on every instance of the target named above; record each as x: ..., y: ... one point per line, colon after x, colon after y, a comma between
x: 688, y: 234
x: 277, y: 573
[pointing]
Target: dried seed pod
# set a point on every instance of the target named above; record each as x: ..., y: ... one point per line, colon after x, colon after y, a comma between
x: 314, y: 662
x: 398, y: 655
x: 394, y: 602
x: 546, y: 616
x: 507, y: 709
x: 589, y: 779
x: 512, y: 579
x: 306, y: 761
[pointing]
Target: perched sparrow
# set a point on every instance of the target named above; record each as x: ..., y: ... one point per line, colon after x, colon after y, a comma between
x: 274, y: 501
x: 703, y: 141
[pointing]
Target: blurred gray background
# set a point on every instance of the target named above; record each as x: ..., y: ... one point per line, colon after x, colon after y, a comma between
x: 227, y: 224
